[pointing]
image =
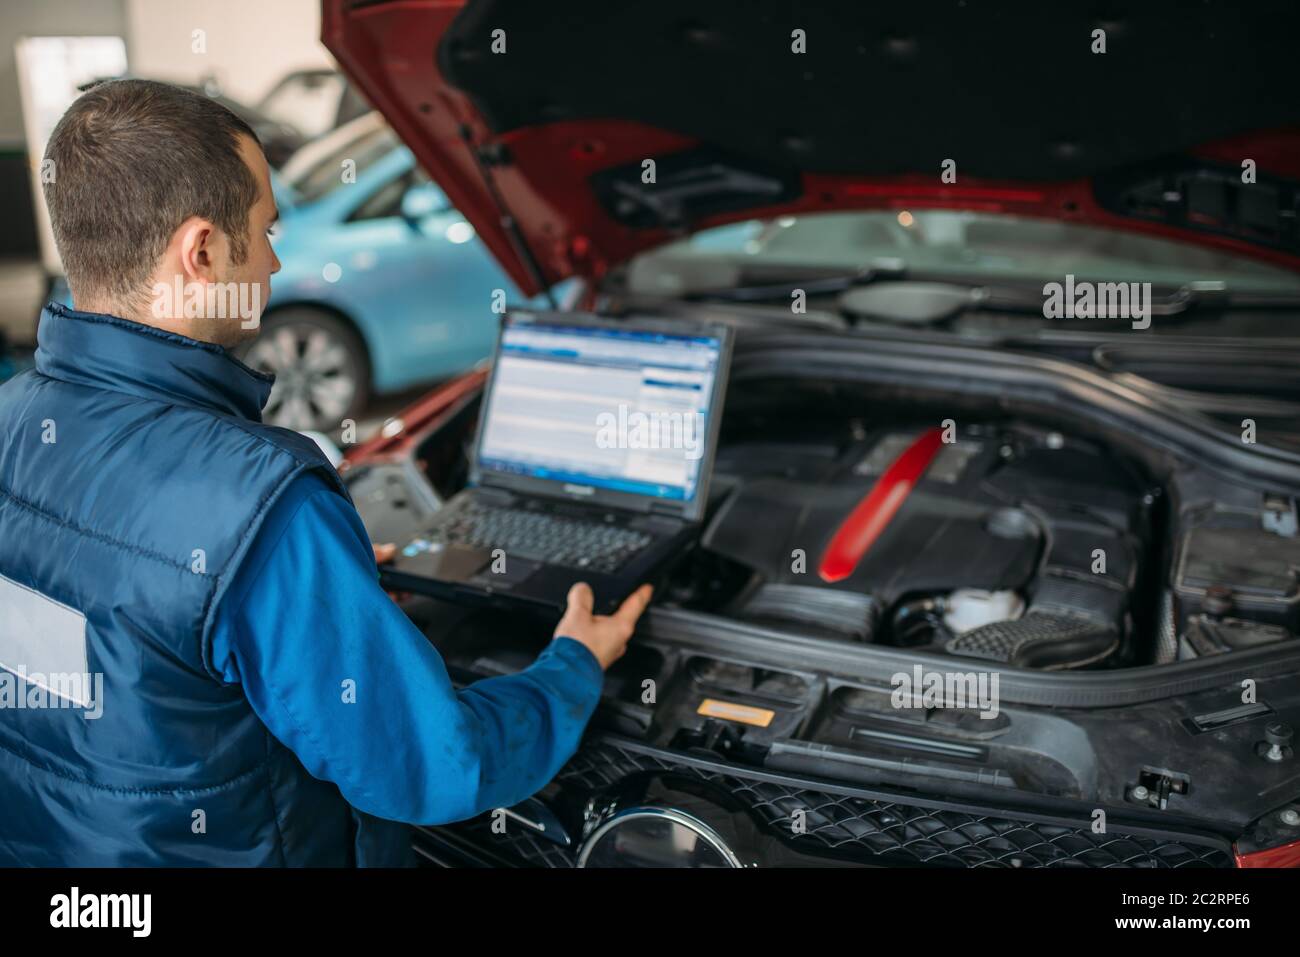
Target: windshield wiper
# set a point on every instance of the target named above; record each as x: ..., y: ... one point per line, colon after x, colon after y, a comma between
x: 756, y: 283
x: 1188, y: 297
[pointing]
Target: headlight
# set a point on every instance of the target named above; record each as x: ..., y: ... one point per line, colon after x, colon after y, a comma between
x: 655, y: 837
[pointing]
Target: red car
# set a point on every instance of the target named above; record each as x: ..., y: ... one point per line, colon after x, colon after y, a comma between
x: 1002, y: 564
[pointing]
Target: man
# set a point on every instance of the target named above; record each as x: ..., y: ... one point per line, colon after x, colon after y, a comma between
x: 254, y: 697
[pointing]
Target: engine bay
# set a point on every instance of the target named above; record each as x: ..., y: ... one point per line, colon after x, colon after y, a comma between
x: 1015, y: 543
x: 1021, y: 548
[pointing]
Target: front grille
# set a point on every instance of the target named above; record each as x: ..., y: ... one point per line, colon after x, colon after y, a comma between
x: 848, y: 824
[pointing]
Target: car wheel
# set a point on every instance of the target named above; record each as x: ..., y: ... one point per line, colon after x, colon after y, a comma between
x: 321, y: 369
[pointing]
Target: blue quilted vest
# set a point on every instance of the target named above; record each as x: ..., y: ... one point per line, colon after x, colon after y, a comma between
x: 134, y: 474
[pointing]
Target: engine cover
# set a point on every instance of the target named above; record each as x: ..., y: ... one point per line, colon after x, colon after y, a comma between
x: 1055, y: 519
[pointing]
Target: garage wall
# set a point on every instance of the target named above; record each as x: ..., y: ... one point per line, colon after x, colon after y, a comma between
x: 250, y: 43
x: 22, y: 18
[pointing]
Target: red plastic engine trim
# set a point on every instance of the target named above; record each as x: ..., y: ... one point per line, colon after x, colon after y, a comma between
x: 1285, y: 855
x: 874, y: 512
x: 415, y: 419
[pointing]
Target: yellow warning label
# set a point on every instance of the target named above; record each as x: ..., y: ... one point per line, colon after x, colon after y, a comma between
x: 712, y: 708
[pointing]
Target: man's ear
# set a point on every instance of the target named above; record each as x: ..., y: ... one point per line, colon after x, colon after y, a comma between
x: 197, y: 242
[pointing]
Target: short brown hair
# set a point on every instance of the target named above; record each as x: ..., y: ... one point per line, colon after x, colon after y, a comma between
x: 132, y: 160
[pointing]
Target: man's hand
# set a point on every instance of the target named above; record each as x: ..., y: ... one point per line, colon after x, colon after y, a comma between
x: 606, y: 636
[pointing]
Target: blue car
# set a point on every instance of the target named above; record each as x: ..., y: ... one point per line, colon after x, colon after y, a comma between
x: 383, y: 284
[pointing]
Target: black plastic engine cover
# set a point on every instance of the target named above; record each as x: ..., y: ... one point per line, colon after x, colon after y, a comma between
x: 996, y: 509
x: 933, y: 543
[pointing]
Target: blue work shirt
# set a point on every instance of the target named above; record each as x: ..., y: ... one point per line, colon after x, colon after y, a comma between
x: 343, y: 678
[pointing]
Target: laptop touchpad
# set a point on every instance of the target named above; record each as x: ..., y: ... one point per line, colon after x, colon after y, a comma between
x: 508, y: 571
x: 448, y: 563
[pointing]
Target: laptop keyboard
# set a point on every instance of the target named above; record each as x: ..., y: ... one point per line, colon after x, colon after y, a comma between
x: 540, y: 536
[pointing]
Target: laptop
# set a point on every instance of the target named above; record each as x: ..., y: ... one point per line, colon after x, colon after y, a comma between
x: 595, y: 445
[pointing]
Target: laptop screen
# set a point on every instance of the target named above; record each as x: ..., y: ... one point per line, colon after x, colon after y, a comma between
x: 622, y: 409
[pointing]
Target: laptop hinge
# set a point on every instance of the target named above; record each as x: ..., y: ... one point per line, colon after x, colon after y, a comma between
x: 494, y: 495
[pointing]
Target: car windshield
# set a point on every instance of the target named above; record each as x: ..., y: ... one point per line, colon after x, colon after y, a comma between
x: 307, y: 101
x: 963, y: 246
x: 323, y: 176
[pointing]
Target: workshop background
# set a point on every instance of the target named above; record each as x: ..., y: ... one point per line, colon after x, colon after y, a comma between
x: 266, y: 61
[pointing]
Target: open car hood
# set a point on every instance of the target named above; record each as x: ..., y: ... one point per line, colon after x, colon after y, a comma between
x: 537, y: 118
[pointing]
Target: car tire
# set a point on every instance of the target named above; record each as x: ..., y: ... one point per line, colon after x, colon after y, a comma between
x: 321, y: 366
